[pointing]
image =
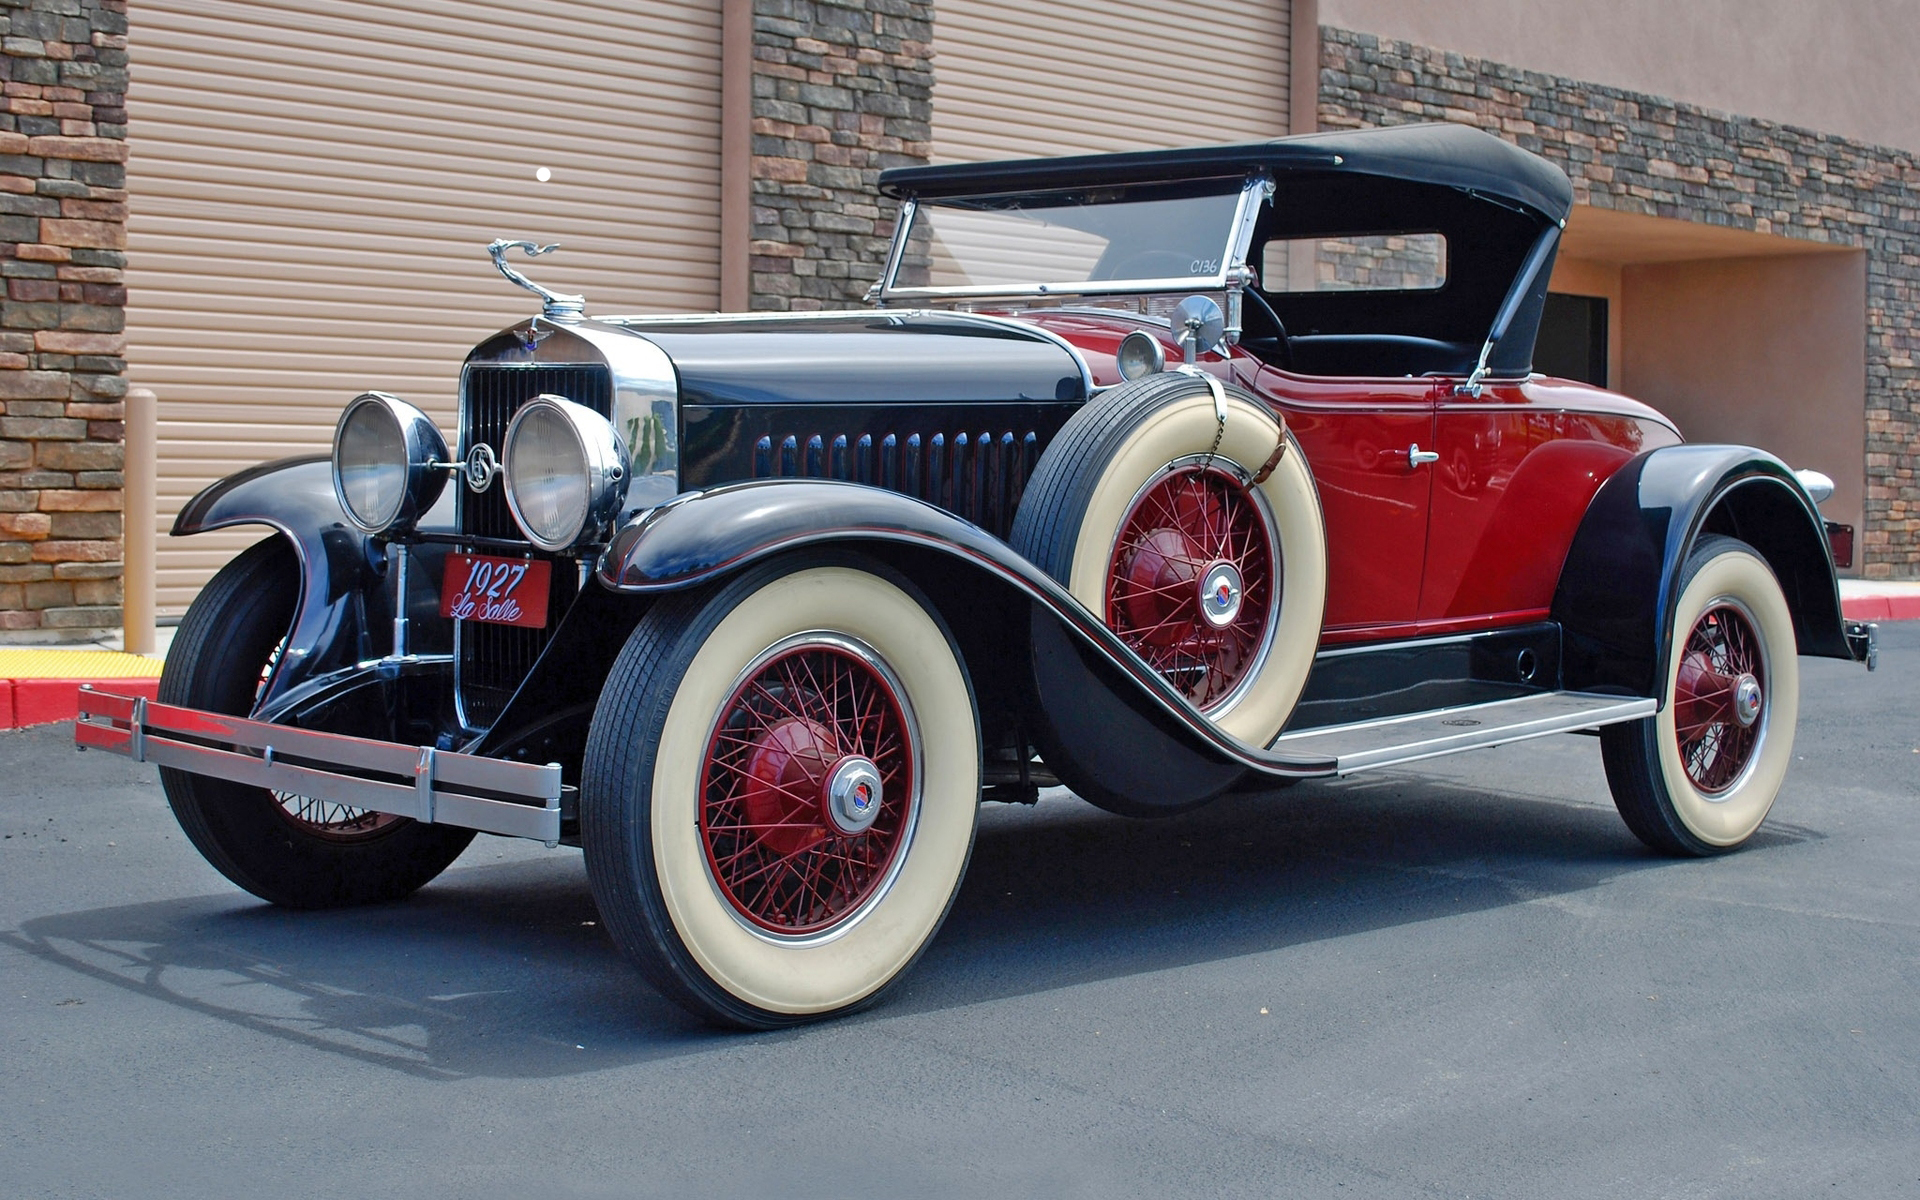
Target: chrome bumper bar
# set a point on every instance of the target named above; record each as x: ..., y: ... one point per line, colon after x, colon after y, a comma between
x: 434, y: 786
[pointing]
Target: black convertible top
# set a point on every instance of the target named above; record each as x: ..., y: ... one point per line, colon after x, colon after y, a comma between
x: 1454, y: 156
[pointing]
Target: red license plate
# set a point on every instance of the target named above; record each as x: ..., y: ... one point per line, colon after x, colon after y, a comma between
x: 501, y: 591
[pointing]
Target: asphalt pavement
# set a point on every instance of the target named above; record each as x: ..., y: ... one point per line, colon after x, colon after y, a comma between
x: 1461, y: 980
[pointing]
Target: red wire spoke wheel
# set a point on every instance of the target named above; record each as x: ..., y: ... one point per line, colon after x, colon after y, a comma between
x: 1719, y: 693
x: 808, y: 793
x: 1191, y: 583
x: 330, y: 820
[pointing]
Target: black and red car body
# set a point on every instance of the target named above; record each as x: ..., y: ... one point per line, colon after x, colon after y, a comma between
x: 1159, y: 475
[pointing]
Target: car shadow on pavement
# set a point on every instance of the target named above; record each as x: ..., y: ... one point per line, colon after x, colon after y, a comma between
x: 503, y: 971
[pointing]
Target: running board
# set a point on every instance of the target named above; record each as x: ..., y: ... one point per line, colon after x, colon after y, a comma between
x: 1391, y: 741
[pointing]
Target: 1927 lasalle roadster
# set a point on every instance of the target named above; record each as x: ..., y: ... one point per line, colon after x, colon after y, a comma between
x: 1158, y: 475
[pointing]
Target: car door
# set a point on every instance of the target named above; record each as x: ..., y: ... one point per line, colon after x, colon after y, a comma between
x: 1363, y: 439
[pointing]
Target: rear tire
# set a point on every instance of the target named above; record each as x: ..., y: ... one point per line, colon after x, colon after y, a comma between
x: 715, y: 850
x: 1700, y: 776
x: 287, y: 850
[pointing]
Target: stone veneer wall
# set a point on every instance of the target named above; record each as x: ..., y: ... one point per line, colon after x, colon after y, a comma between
x: 63, y: 214
x: 1643, y: 154
x: 841, y: 89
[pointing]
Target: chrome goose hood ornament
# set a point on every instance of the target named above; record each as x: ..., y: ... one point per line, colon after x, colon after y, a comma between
x: 558, y: 305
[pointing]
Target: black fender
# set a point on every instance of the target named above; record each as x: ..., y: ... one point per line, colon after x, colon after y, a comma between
x: 1619, y: 583
x: 1125, y: 728
x: 340, y: 603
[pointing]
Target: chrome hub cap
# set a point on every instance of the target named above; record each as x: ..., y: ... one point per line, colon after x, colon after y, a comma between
x: 851, y: 799
x: 1746, y: 700
x: 1220, y: 594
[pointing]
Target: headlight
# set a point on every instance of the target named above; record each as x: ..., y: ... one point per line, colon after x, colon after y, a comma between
x: 565, y: 469
x: 383, y: 455
x: 1140, y: 355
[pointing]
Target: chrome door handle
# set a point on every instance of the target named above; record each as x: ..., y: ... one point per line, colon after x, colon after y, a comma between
x: 1418, y: 457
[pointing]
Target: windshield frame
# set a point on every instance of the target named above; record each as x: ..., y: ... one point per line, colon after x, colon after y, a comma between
x: 1254, y: 189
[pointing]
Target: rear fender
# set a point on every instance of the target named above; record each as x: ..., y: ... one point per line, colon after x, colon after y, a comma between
x: 339, y: 601
x: 1101, y: 705
x: 1620, y: 581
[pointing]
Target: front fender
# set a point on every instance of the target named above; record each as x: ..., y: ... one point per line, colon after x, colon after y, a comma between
x: 295, y: 497
x: 703, y: 536
x: 1620, y: 580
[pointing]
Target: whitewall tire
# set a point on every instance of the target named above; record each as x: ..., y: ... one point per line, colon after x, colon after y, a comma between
x: 779, y: 790
x: 1700, y: 776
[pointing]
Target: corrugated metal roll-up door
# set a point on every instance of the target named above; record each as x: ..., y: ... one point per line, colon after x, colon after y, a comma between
x: 1088, y: 76
x: 313, y: 182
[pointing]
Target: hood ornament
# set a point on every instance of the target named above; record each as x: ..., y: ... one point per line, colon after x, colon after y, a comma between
x: 557, y: 304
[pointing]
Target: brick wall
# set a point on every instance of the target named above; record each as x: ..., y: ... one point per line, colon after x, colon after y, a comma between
x: 841, y: 89
x: 63, y: 212
x: 1643, y: 154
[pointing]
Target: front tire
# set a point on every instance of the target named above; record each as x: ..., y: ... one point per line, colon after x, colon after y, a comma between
x: 288, y: 850
x: 1700, y: 776
x: 779, y: 790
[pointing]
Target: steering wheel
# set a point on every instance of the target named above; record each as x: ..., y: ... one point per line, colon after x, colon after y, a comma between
x: 1280, y: 342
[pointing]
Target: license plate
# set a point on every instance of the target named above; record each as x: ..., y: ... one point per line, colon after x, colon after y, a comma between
x: 501, y: 591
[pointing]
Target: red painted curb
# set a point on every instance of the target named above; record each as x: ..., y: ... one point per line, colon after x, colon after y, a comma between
x: 44, y: 701
x: 1881, y: 608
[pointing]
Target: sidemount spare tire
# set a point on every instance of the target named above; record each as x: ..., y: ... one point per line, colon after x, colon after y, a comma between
x: 1200, y: 544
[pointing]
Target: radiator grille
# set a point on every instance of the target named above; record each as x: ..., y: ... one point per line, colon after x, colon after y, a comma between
x: 977, y: 475
x: 493, y: 659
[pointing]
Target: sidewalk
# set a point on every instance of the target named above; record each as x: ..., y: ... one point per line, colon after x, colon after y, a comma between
x: 42, y: 684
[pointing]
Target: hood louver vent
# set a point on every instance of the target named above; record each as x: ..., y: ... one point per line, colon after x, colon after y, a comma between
x: 979, y: 476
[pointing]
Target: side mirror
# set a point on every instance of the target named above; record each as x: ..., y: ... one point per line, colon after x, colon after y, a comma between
x: 1198, y: 324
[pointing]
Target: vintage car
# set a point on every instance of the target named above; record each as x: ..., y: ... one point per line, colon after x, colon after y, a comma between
x: 1157, y: 475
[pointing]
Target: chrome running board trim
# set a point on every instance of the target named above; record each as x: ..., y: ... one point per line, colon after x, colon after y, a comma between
x: 429, y: 785
x: 1366, y: 745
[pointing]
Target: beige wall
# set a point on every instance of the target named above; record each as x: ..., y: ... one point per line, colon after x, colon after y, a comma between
x: 1768, y: 352
x: 1844, y: 68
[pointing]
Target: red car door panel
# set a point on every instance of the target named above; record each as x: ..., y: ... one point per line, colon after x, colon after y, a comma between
x: 1356, y: 435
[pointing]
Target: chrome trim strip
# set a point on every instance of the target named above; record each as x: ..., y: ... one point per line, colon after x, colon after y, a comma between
x: 1392, y: 741
x: 428, y: 785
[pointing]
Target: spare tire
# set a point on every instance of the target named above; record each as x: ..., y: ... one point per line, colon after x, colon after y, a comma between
x: 1199, y: 547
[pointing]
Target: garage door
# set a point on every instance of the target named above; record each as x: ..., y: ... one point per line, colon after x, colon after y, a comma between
x: 313, y: 182
x: 1085, y: 76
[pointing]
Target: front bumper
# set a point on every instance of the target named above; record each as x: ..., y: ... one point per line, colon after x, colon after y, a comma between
x: 434, y: 786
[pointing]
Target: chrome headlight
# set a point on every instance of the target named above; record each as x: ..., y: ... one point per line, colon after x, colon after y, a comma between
x: 565, y: 470
x: 384, y: 451
x: 1140, y: 355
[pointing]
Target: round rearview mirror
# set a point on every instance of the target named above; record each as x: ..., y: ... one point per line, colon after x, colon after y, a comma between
x: 1198, y: 325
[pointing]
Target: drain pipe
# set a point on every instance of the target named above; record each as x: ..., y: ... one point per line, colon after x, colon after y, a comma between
x: 138, y: 520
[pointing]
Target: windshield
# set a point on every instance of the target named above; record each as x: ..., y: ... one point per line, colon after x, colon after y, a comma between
x: 1085, y: 241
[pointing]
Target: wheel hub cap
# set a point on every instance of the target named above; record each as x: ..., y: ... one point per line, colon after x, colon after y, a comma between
x: 1220, y: 594
x: 851, y: 799
x: 1746, y: 700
